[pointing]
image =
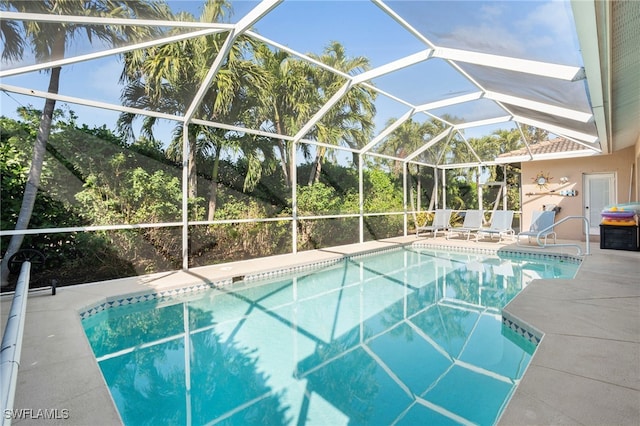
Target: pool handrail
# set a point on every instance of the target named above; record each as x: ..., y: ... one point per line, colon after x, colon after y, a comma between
x: 564, y: 219
x: 12, y: 343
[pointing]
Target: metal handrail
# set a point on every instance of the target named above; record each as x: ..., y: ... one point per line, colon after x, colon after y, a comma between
x: 550, y: 227
x: 12, y: 343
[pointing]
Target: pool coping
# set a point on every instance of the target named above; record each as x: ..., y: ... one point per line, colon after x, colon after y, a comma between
x: 205, y: 284
x: 58, y: 368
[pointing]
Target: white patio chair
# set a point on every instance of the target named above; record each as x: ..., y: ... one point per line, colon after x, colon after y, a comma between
x: 541, y: 220
x: 472, y: 223
x: 501, y: 221
x: 441, y: 223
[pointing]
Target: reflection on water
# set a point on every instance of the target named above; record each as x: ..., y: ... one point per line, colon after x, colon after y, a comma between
x: 410, y: 336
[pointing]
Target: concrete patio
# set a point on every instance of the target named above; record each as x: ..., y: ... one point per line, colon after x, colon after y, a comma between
x: 586, y: 370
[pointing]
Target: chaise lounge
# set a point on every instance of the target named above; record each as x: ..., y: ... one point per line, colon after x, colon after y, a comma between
x: 472, y: 223
x: 441, y: 223
x: 541, y: 222
x: 501, y: 221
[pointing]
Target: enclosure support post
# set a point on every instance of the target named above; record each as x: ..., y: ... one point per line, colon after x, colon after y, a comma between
x: 480, y: 202
x: 294, y: 198
x: 444, y: 188
x: 435, y: 184
x: 404, y: 196
x: 504, y: 188
x: 185, y: 196
x: 361, y: 197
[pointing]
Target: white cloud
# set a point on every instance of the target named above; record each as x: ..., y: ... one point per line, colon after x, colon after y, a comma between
x: 550, y: 26
x: 536, y: 30
x: 486, y: 38
x: 490, y: 11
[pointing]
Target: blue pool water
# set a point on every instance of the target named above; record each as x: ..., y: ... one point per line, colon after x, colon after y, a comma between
x: 412, y: 336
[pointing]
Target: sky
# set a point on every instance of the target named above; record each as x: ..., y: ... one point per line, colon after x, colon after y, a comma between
x: 511, y: 28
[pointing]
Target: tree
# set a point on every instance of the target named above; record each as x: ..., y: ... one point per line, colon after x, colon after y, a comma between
x: 290, y: 98
x: 350, y: 121
x: 408, y: 138
x: 11, y: 37
x: 70, y: 256
x: 166, y: 78
x: 49, y: 41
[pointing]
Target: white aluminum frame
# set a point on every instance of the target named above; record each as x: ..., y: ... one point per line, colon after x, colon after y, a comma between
x: 584, y: 10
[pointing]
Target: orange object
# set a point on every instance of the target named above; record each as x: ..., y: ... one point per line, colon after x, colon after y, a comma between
x: 619, y: 222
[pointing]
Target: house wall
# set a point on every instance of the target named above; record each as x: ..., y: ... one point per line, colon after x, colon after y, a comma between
x: 620, y: 163
x: 637, y: 168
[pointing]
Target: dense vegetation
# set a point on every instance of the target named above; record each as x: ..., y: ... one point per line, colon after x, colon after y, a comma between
x: 92, y: 177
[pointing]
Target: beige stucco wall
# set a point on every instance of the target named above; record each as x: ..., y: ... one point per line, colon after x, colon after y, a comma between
x: 637, y: 168
x: 620, y: 163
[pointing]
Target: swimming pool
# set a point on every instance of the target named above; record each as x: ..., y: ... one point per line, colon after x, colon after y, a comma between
x: 401, y: 337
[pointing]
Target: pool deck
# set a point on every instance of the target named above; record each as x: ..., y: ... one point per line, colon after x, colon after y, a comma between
x: 586, y: 370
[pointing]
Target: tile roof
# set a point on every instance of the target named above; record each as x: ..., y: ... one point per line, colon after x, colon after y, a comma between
x: 550, y: 146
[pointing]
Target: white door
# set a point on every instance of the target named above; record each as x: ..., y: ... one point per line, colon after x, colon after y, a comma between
x: 599, y: 192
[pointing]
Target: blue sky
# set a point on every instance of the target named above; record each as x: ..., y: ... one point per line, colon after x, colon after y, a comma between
x: 512, y: 28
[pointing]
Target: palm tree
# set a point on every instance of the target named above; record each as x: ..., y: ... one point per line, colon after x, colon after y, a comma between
x: 290, y: 100
x: 49, y: 41
x: 12, y: 39
x: 166, y: 78
x: 409, y: 137
x: 534, y: 135
x: 349, y: 121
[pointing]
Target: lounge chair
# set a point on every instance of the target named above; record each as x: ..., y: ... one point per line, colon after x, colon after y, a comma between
x: 472, y: 222
x: 540, y: 221
x: 441, y: 223
x: 501, y: 221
